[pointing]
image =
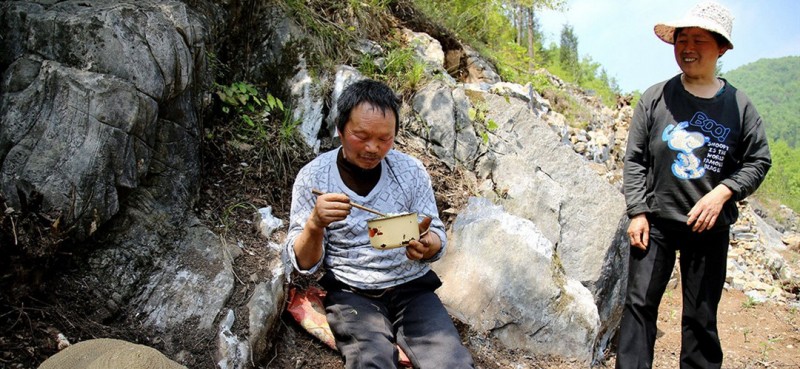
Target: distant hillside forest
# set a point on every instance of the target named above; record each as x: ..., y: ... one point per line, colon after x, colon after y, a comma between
x: 774, y: 87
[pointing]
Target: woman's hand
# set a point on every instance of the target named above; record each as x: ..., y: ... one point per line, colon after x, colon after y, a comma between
x: 639, y: 231
x: 705, y: 212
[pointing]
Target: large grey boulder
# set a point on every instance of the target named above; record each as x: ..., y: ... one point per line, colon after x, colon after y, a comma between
x: 528, y: 171
x: 176, y: 278
x: 429, y: 51
x: 275, y: 43
x: 539, y: 178
x: 501, y: 276
x: 237, y: 350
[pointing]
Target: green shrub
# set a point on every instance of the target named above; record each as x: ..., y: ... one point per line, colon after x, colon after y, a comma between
x: 483, y: 125
x: 401, y: 68
x: 250, y: 109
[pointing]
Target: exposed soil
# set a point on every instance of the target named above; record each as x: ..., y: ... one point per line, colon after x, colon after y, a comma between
x: 763, y: 335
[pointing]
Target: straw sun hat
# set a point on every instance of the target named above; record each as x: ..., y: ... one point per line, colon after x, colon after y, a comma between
x: 708, y: 15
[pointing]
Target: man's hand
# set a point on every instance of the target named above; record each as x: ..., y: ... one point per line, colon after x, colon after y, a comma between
x: 330, y: 207
x: 427, y: 245
x: 705, y: 212
x: 639, y: 231
x: 424, y: 224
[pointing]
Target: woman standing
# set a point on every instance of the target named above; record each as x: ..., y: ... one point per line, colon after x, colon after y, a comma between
x: 696, y: 146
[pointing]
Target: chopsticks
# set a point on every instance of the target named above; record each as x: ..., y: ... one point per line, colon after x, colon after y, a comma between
x: 362, y: 207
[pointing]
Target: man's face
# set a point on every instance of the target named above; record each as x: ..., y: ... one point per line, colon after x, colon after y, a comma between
x: 368, y: 135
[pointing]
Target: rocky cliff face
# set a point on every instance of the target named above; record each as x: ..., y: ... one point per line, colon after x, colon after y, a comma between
x: 99, y: 141
x: 101, y: 108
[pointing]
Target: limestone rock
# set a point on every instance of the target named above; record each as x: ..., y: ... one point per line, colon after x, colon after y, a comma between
x: 500, y: 277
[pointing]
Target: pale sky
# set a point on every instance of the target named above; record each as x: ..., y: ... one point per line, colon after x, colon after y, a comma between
x: 618, y: 34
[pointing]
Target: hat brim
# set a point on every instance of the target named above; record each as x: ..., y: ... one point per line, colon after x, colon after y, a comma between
x: 666, y: 31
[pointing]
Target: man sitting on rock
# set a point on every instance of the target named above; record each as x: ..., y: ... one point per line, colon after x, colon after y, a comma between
x: 376, y: 298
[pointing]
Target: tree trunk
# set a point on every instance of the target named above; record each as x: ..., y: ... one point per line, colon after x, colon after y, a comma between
x: 531, y: 44
x: 519, y: 23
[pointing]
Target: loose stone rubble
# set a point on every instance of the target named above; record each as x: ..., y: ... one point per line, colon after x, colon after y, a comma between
x: 756, y: 264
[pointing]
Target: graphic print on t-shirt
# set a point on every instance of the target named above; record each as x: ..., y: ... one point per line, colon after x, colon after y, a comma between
x: 688, y: 165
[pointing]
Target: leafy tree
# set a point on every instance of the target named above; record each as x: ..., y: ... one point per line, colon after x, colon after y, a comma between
x: 594, y: 77
x: 569, y: 52
x: 478, y: 22
x: 526, y: 23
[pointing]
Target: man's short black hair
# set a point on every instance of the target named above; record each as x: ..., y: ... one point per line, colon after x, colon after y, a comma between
x: 377, y: 94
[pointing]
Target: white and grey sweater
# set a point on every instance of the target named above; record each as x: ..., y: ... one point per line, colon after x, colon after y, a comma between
x: 404, y: 186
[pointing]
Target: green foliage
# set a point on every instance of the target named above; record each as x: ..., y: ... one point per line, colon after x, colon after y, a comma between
x: 477, y: 21
x: 540, y: 82
x: 244, y: 101
x: 745, y: 332
x: 324, y: 20
x: 482, y: 123
x: 215, y: 64
x: 782, y: 183
x: 637, y: 95
x: 288, y: 128
x: 500, y: 31
x: 749, y: 303
x: 514, y: 57
x: 257, y: 133
x: 484, y: 25
x: 578, y: 116
x: 234, y: 211
x: 368, y: 66
x: 774, y: 87
x: 595, y: 78
x: 401, y: 68
x: 404, y: 69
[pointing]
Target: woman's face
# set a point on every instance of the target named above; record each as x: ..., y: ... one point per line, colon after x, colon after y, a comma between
x: 368, y: 135
x: 696, y: 52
